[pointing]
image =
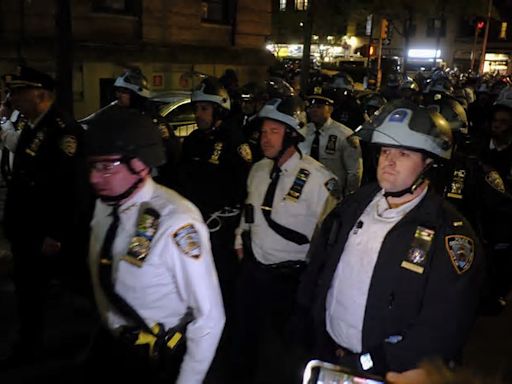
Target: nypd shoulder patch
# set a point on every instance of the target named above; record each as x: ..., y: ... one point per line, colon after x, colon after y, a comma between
x: 68, y: 145
x: 188, y: 241
x: 461, y: 250
x: 245, y: 152
x: 333, y: 187
x: 353, y: 141
x: 494, y: 179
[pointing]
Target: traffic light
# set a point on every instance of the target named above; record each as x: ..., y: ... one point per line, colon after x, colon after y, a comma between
x: 384, y: 29
x: 479, y: 23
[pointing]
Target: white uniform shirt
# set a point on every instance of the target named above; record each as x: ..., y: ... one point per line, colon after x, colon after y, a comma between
x: 9, y: 135
x: 301, y: 215
x: 169, y: 280
x: 346, y: 299
x: 342, y: 157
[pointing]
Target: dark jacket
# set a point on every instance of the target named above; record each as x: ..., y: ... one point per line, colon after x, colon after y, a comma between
x: 48, y: 193
x: 214, y: 168
x: 432, y: 311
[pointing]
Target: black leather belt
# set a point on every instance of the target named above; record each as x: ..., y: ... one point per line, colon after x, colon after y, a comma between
x: 289, y: 265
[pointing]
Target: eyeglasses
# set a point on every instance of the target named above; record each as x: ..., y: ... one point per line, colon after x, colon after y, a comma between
x: 105, y: 167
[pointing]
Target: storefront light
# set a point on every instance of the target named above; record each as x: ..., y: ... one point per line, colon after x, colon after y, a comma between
x: 424, y: 53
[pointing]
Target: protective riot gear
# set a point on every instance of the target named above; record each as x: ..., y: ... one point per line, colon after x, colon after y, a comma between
x: 134, y: 80
x: 343, y: 81
x: 504, y: 99
x: 403, y: 124
x: 277, y: 88
x: 211, y: 90
x: 289, y: 111
x: 125, y: 132
x: 406, y: 125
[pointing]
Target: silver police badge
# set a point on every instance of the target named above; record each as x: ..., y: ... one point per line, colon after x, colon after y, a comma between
x: 461, y: 250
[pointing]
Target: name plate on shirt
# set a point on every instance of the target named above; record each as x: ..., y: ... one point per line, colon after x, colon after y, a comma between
x: 298, y: 185
x: 416, y: 258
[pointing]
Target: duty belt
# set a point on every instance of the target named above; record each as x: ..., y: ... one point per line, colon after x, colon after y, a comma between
x: 289, y: 265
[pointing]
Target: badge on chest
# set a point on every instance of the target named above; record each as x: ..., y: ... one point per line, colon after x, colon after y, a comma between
x: 456, y: 186
x: 147, y: 225
x: 217, y: 151
x: 416, y: 258
x: 35, y: 144
x: 330, y: 147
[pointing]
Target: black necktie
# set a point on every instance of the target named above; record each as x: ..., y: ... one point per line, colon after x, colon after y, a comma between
x: 105, y: 265
x: 266, y: 209
x: 105, y: 274
x: 315, y: 146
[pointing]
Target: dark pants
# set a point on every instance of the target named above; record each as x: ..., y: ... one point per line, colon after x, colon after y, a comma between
x: 111, y: 359
x: 31, y: 278
x: 225, y: 258
x: 265, y: 303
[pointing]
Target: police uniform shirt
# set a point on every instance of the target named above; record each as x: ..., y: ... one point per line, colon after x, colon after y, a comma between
x: 300, y: 213
x: 346, y: 299
x: 338, y: 152
x: 11, y: 129
x: 178, y: 272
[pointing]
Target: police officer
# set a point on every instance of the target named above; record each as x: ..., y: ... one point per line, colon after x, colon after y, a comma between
x: 332, y: 143
x: 44, y: 203
x: 151, y: 265
x: 410, y: 90
x: 132, y: 92
x: 346, y: 108
x: 212, y: 174
x: 11, y: 124
x: 287, y: 194
x: 395, y: 271
x: 499, y: 147
x: 254, y: 95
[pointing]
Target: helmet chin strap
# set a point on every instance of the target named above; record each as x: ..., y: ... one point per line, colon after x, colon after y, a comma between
x: 114, y: 200
x: 419, y: 180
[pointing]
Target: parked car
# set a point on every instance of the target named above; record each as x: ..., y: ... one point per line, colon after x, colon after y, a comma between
x: 175, y: 107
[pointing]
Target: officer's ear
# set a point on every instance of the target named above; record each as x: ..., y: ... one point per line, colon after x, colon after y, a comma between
x: 140, y: 168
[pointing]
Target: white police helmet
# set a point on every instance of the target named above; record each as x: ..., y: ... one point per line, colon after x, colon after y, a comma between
x: 134, y: 80
x: 404, y: 124
x: 211, y: 90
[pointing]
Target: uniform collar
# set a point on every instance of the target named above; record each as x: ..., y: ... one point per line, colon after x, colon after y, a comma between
x: 323, y: 127
x: 385, y: 212
x: 142, y: 195
x: 291, y: 163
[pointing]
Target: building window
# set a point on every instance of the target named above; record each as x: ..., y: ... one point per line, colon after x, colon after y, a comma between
x: 122, y: 7
x: 214, y: 11
x: 301, y: 5
x: 436, y: 27
x: 282, y: 5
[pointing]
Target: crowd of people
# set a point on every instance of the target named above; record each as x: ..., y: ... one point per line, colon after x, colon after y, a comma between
x: 365, y: 229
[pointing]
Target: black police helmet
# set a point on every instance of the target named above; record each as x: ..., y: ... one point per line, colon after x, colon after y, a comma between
x: 125, y: 132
